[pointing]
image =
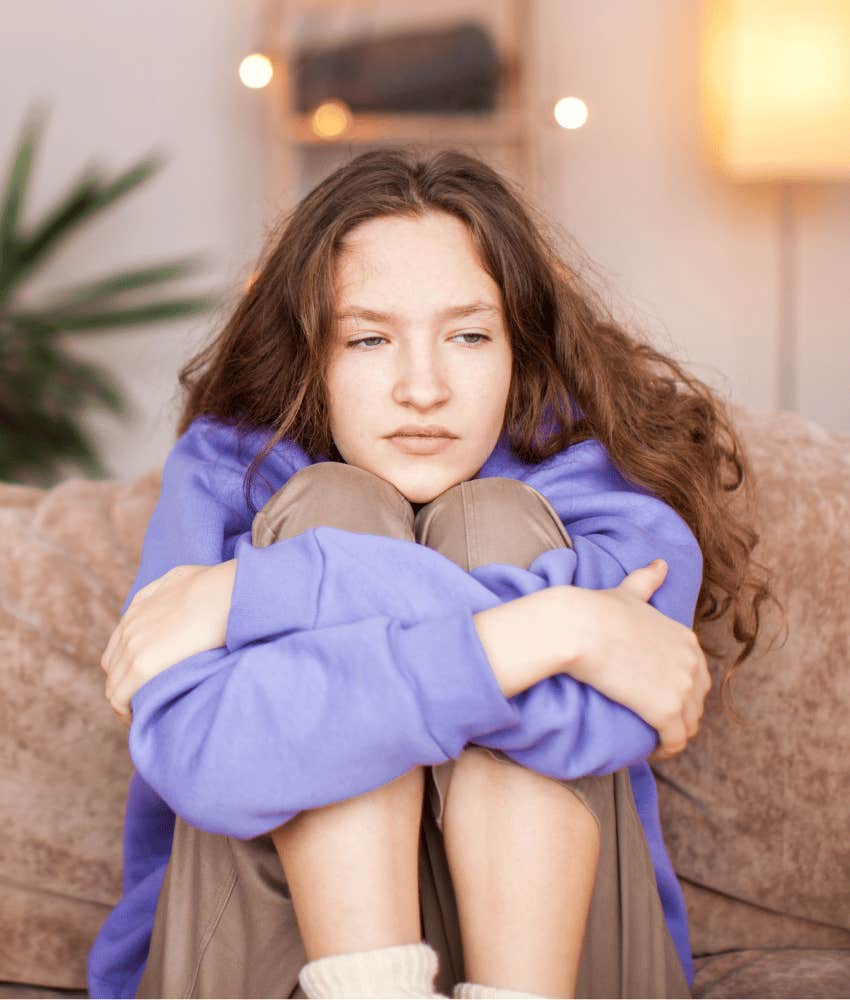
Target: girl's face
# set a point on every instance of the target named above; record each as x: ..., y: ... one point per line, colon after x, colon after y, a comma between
x: 420, y: 341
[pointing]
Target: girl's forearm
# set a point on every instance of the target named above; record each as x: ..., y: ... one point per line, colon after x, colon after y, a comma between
x: 532, y: 637
x: 526, y: 639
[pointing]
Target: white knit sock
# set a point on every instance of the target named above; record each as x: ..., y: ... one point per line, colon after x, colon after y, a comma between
x: 467, y: 991
x: 403, y: 970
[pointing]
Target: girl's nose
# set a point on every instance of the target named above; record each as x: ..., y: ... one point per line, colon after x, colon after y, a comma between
x: 421, y: 380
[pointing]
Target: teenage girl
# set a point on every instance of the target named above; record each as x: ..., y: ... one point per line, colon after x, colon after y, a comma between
x: 412, y: 293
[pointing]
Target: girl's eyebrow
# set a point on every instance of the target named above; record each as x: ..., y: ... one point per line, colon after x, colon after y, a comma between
x: 452, y: 312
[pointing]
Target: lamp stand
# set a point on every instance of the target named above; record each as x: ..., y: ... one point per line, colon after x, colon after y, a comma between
x: 786, y: 348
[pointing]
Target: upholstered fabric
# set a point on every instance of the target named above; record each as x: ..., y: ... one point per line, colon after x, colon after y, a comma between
x: 755, y: 818
x: 67, y: 558
x: 774, y: 972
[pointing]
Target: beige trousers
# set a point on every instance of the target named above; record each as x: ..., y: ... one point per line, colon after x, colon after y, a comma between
x: 225, y: 924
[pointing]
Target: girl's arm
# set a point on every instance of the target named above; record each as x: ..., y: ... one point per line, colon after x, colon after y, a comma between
x: 566, y: 726
x: 239, y: 743
x: 616, y: 526
x: 610, y: 638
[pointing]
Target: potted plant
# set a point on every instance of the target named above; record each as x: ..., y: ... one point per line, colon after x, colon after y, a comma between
x: 43, y: 389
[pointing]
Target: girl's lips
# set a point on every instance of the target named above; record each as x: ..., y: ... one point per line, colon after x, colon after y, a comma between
x: 421, y: 445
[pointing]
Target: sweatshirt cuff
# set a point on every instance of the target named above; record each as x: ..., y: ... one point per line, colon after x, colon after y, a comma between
x: 448, y: 666
x: 275, y: 590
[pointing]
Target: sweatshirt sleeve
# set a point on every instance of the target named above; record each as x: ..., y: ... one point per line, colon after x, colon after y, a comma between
x: 563, y: 728
x: 239, y: 741
x: 567, y: 729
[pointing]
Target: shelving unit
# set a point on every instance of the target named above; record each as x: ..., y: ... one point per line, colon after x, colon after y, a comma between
x: 503, y: 136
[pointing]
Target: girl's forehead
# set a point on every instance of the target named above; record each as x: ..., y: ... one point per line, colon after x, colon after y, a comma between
x: 380, y: 236
x: 414, y: 260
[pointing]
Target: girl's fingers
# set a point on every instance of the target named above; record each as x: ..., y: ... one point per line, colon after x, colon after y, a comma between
x: 119, y: 700
x: 693, y: 714
x: 109, y: 652
x: 674, y: 737
x: 122, y: 689
x: 113, y: 679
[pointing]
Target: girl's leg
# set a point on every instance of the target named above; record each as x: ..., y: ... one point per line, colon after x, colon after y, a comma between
x: 352, y: 866
x: 353, y: 869
x: 242, y: 917
x: 555, y: 886
x: 524, y: 889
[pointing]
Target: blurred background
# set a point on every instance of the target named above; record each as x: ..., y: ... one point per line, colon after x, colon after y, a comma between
x: 697, y: 152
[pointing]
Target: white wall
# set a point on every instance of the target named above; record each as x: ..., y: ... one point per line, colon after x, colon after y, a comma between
x: 695, y: 253
x: 688, y: 255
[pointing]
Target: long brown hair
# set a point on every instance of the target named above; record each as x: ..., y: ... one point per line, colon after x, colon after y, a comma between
x: 662, y: 427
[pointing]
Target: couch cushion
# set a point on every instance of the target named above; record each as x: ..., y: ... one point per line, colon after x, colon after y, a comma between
x: 20, y: 991
x: 68, y: 556
x: 755, y: 817
x: 774, y: 972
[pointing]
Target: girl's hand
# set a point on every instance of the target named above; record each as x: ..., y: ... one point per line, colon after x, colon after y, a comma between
x: 636, y: 655
x: 175, y: 616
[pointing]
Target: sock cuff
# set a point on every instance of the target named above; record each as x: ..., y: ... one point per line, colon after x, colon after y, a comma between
x: 399, y: 970
x: 477, y: 991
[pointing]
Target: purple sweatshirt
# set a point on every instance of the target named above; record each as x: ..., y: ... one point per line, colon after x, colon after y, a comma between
x: 351, y: 658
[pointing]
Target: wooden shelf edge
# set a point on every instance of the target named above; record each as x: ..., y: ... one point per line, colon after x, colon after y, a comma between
x: 491, y: 126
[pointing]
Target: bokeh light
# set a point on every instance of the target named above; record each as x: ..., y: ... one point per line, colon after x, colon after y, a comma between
x: 570, y: 112
x: 256, y: 71
x: 330, y: 119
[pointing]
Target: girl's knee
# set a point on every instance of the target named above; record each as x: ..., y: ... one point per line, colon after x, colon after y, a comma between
x: 482, y: 781
x: 337, y: 478
x: 333, y: 494
x: 467, y: 523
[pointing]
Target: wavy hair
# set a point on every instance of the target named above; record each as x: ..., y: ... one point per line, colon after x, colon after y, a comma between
x: 662, y: 427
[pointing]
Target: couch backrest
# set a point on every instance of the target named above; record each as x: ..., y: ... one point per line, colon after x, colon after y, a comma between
x: 68, y: 556
x: 755, y: 818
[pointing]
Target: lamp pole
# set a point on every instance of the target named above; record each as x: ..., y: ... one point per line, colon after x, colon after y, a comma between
x: 787, y: 357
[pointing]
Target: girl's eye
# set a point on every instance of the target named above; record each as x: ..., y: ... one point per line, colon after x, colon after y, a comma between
x: 362, y: 340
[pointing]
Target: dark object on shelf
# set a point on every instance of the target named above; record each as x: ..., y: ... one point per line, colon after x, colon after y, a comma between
x: 444, y: 69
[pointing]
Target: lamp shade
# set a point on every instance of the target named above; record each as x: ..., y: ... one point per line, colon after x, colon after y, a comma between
x: 775, y: 88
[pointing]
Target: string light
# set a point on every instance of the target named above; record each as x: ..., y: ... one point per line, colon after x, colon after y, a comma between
x: 256, y: 71
x: 330, y: 119
x: 570, y: 112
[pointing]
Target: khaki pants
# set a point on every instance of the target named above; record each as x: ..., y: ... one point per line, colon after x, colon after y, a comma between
x: 225, y: 924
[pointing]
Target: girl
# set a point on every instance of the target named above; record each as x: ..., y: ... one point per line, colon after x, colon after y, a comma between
x: 296, y: 674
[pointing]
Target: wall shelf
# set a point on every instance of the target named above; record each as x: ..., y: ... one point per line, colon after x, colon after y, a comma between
x: 502, y: 136
x: 500, y: 126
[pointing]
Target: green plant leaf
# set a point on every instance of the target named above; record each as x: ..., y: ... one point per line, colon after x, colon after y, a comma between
x: 44, y: 389
x: 83, y: 381
x: 86, y: 199
x: 25, y: 252
x: 16, y: 186
x: 51, y: 439
x: 148, y: 313
x: 95, y: 292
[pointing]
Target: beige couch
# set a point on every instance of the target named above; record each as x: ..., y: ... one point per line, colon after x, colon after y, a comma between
x: 756, y: 817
